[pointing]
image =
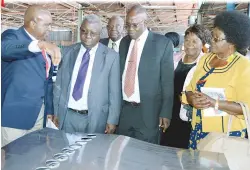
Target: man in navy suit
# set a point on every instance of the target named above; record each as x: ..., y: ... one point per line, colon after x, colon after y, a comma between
x: 27, y: 75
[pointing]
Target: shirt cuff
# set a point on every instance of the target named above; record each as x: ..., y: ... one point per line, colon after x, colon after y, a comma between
x: 33, y: 47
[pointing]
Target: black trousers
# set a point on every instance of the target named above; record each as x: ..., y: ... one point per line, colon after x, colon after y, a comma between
x: 177, y: 135
x: 132, y: 124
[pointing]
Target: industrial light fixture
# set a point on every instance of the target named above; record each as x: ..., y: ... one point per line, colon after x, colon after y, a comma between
x: 158, y: 7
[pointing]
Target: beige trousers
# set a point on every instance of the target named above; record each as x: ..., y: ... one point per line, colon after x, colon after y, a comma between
x: 10, y: 134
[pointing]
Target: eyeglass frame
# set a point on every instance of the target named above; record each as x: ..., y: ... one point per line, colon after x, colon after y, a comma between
x: 214, y: 39
x: 134, y: 25
x: 92, y: 35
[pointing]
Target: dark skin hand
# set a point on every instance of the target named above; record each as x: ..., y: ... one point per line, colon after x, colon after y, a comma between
x: 164, y: 123
x: 110, y: 129
x: 202, y: 101
x: 56, y: 121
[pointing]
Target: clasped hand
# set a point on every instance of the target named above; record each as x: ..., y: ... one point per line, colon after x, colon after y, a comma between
x: 202, y: 101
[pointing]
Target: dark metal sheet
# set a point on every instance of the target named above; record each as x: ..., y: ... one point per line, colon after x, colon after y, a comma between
x: 105, y: 152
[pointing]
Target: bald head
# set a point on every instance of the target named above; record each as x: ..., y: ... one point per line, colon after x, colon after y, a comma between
x: 116, y: 18
x: 138, y: 10
x: 34, y: 12
x: 37, y: 21
x: 115, y: 28
x: 135, y: 21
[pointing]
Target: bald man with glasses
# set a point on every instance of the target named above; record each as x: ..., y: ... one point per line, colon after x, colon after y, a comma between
x: 147, y: 76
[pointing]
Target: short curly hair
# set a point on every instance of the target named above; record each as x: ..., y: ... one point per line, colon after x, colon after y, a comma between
x: 201, y: 32
x: 174, y: 37
x: 236, y: 27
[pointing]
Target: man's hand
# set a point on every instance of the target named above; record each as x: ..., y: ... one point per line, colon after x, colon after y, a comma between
x: 50, y: 117
x: 56, y: 121
x: 164, y: 123
x: 52, y: 50
x: 110, y: 129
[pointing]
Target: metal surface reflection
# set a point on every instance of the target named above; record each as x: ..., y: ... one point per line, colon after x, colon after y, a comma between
x: 52, y: 164
x: 68, y: 151
x: 75, y: 146
x: 42, y: 168
x: 91, y: 136
x: 47, y: 149
x: 61, y: 157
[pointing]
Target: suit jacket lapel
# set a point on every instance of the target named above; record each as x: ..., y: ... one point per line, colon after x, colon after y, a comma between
x: 106, y: 42
x: 124, y: 52
x: 73, y: 57
x: 99, y: 62
x: 147, y: 53
x: 41, y: 70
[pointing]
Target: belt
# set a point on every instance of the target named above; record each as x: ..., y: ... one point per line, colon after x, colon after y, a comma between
x: 80, y: 111
x: 134, y: 104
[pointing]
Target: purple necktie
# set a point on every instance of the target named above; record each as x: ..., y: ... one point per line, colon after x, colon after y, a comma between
x: 81, y: 76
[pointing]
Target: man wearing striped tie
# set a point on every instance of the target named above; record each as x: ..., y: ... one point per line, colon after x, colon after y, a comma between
x: 115, y: 29
x: 147, y: 79
x: 27, y: 75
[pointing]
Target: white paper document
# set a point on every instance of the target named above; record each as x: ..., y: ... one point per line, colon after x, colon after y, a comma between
x: 50, y: 124
x: 214, y: 93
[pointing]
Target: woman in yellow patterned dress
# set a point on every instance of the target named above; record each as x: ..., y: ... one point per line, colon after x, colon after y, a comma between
x: 224, y: 68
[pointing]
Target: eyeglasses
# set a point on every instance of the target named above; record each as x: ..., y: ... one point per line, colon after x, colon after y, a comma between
x: 134, y: 26
x: 215, y: 39
x: 91, y: 34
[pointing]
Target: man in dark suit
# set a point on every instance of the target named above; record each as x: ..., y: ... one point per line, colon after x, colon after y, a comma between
x: 115, y: 29
x: 87, y: 90
x: 147, y: 79
x: 27, y: 75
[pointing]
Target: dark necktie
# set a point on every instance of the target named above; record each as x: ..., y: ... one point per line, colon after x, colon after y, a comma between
x: 81, y: 76
x: 113, y: 45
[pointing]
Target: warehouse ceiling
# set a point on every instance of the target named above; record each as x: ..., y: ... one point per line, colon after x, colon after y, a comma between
x: 172, y: 15
x: 210, y: 10
x: 163, y: 17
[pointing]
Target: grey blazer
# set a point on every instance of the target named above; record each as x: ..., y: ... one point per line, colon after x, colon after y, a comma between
x: 156, y: 77
x: 104, y: 91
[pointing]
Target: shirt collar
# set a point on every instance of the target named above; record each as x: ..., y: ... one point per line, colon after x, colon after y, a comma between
x: 92, y: 51
x: 116, y: 42
x: 144, y: 35
x: 31, y: 36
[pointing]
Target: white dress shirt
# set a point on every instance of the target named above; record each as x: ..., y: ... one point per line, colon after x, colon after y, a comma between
x: 82, y: 103
x: 33, y: 47
x: 117, y: 44
x: 136, y: 95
